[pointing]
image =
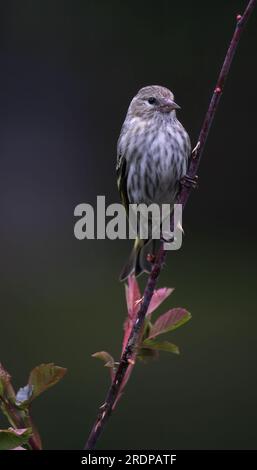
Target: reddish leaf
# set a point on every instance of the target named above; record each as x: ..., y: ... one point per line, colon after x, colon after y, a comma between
x: 124, y: 382
x: 158, y: 297
x: 169, y: 321
x: 132, y: 296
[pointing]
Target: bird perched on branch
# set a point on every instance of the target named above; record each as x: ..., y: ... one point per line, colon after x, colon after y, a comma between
x: 152, y: 158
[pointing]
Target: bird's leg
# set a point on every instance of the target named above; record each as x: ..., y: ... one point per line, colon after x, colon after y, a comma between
x: 189, y: 182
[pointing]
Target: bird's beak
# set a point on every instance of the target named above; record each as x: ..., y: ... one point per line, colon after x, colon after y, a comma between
x: 168, y: 105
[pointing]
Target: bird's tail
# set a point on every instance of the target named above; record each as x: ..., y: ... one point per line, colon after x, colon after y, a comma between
x: 137, y: 264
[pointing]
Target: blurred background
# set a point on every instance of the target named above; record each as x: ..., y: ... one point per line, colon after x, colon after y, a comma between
x: 68, y: 72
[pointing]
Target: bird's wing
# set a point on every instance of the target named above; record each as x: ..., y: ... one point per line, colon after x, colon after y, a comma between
x: 122, y: 180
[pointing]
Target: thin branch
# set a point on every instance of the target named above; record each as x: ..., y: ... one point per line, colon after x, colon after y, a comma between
x: 106, y: 410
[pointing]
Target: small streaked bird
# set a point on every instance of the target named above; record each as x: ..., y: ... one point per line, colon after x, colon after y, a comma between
x: 152, y: 158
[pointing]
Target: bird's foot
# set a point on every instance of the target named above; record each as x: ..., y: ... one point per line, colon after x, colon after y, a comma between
x: 189, y: 182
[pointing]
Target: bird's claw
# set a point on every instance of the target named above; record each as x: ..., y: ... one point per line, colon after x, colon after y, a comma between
x: 190, y: 182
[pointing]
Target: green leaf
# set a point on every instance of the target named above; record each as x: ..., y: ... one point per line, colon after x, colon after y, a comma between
x: 146, y: 354
x: 161, y: 346
x: 43, y: 377
x: 106, y: 357
x: 169, y: 321
x: 11, y: 438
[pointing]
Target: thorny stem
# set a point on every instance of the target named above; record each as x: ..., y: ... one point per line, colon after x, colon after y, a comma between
x: 106, y: 410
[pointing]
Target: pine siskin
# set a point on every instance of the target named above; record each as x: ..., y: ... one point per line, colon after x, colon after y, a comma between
x: 153, y: 151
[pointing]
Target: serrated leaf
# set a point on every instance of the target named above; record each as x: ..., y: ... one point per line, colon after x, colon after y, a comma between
x: 24, y: 394
x: 106, y: 357
x: 161, y: 346
x: 43, y: 377
x: 169, y: 321
x: 11, y: 438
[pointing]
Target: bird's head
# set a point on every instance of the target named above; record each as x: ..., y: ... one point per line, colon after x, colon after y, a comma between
x: 151, y: 101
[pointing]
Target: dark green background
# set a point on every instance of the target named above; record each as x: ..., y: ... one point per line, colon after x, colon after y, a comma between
x: 68, y: 72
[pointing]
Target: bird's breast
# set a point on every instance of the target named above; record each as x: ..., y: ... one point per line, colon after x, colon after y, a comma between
x: 157, y: 160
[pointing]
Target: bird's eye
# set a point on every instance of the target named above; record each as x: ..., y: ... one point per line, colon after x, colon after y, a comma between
x: 152, y: 100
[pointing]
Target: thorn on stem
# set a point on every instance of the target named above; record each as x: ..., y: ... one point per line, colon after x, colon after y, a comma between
x: 238, y: 17
x: 138, y: 302
x: 195, y: 150
x: 217, y: 90
x: 102, y: 407
x: 179, y: 226
x: 151, y: 258
x: 131, y: 361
